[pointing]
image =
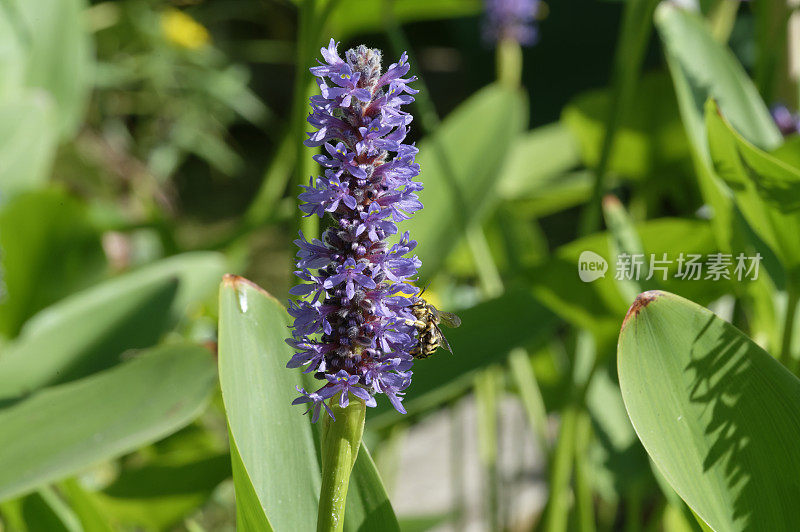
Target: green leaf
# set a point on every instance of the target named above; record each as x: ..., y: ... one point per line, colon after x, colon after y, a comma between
x: 91, y: 517
x: 84, y: 334
x: 27, y: 143
x: 355, y: 16
x: 767, y: 191
x: 12, y: 58
x: 488, y: 333
x: 648, y: 139
x: 90, y: 330
x: 368, y: 506
x: 621, y: 465
x: 61, y: 430
x: 702, y: 68
x: 38, y: 231
x: 624, y: 239
x: 555, y: 194
x: 162, y: 492
x: 537, y: 161
x: 461, y: 166
x: 598, y: 306
x: 716, y: 413
x: 538, y: 175
x: 57, y: 52
x: 270, y: 438
x: 789, y: 152
x: 250, y: 515
x: 42, y: 511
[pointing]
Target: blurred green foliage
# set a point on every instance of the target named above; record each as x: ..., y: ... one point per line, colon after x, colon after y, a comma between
x: 148, y: 147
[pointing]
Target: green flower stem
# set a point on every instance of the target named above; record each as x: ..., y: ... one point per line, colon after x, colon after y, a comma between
x: 312, y: 18
x: 556, y: 518
x: 584, y: 502
x: 509, y: 63
x: 628, y: 58
x: 487, y: 394
x: 276, y: 177
x: 340, y: 442
x: 522, y: 372
x: 488, y: 274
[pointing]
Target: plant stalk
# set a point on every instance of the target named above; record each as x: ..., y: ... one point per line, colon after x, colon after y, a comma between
x: 341, y: 440
x: 584, y: 500
x: 557, y: 514
x: 509, y: 63
x: 634, y: 36
x: 312, y: 18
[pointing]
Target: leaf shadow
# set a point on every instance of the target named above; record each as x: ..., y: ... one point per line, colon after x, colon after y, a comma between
x: 722, y: 383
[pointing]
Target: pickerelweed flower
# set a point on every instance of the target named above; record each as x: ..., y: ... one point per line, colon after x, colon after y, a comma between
x: 511, y: 20
x: 787, y: 122
x: 351, y: 328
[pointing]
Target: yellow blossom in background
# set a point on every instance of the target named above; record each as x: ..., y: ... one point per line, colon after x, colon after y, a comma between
x: 182, y: 30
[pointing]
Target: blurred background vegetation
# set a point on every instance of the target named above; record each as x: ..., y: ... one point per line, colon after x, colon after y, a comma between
x: 147, y: 147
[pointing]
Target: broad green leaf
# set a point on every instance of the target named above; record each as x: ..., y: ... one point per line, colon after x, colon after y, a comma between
x: 84, y: 334
x: 57, y: 52
x: 488, y: 333
x: 270, y: 438
x: 41, y: 511
x: 621, y: 466
x: 27, y: 143
x: 424, y: 523
x: 61, y: 430
x: 49, y: 249
x: 162, y: 492
x: 368, y: 505
x: 90, y: 330
x: 250, y: 514
x: 91, y: 517
x: 717, y: 414
x: 789, y: 152
x: 649, y: 138
x: 623, y: 239
x: 12, y: 58
x: 555, y: 194
x: 537, y: 160
x: 355, y: 16
x: 598, y: 306
x: 767, y: 191
x: 702, y: 68
x: 160, y: 485
x: 461, y: 166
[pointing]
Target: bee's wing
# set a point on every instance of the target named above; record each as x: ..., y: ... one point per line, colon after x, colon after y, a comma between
x: 449, y: 319
x: 442, y: 340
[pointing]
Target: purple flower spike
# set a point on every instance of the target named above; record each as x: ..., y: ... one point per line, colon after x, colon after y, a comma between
x: 787, y: 122
x: 351, y: 330
x: 512, y: 20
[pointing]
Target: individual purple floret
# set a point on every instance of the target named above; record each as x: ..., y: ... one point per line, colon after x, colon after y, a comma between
x: 787, y: 122
x: 351, y: 327
x: 512, y: 20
